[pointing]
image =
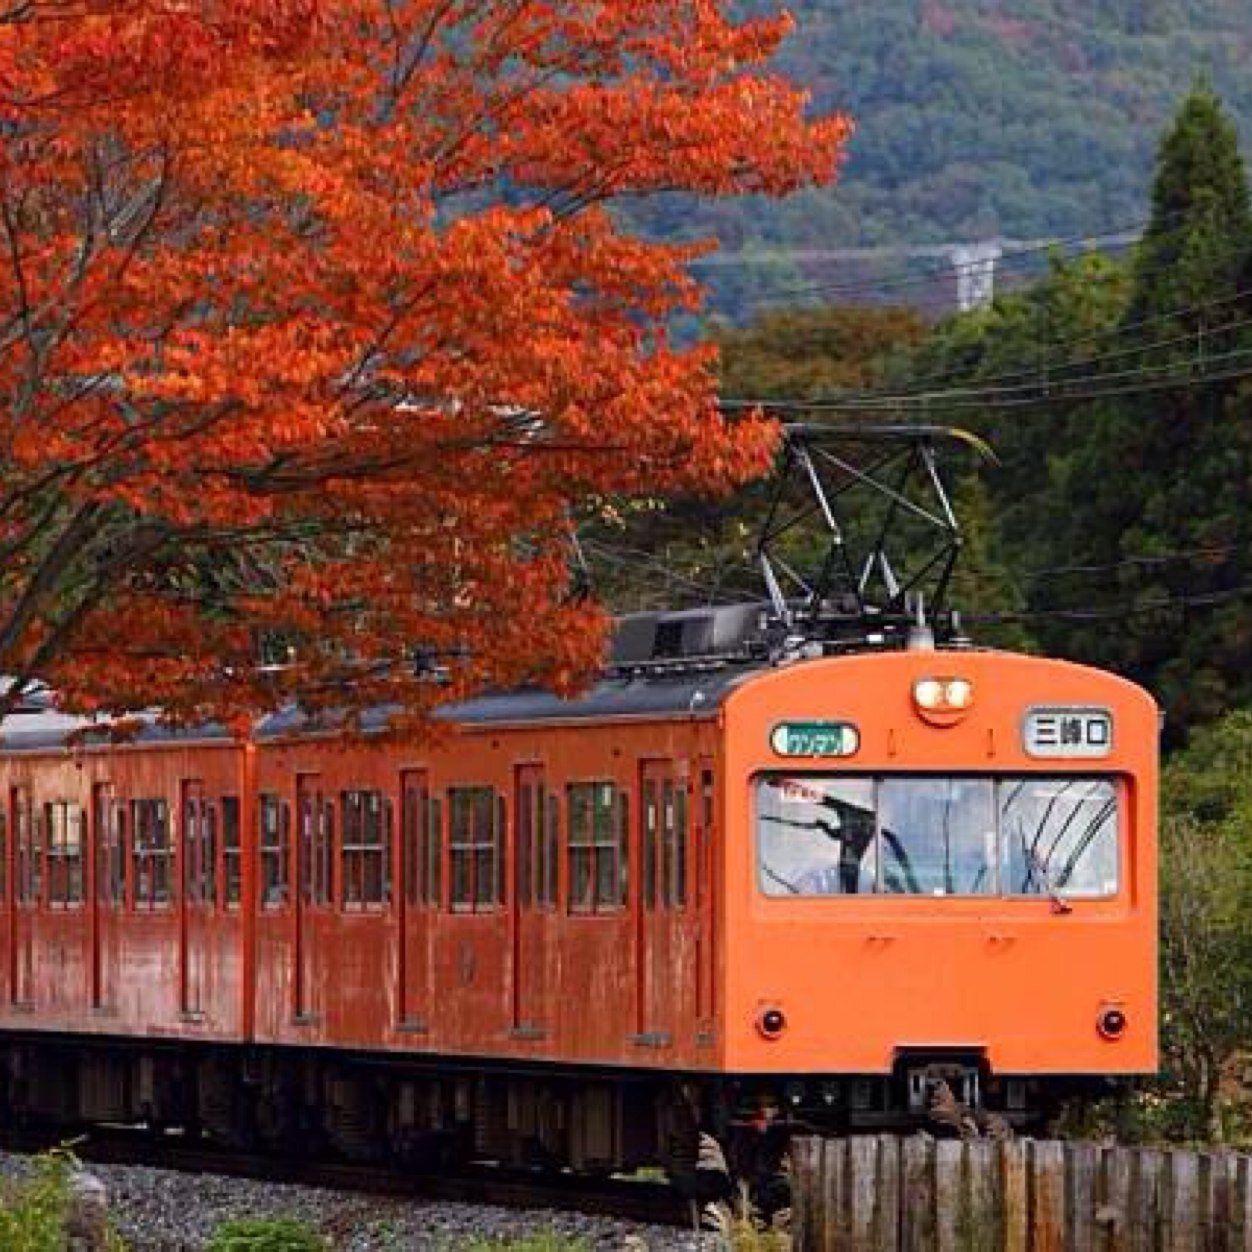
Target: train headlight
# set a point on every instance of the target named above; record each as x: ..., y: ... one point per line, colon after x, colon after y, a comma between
x: 771, y: 1022
x: 943, y: 700
x: 1111, y: 1022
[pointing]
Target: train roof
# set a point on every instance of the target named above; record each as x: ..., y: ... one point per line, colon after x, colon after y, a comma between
x: 637, y: 696
x: 660, y: 664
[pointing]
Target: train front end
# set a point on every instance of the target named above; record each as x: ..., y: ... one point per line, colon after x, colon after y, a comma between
x: 940, y: 886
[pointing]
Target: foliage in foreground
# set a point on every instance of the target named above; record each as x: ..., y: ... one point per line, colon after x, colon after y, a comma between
x: 34, y: 1207
x: 542, y: 1241
x: 265, y: 1234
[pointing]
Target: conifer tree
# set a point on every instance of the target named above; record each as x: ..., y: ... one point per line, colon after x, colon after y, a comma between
x: 1164, y: 473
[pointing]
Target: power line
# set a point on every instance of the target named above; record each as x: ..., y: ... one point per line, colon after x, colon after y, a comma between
x: 1120, y: 237
x: 1123, y: 236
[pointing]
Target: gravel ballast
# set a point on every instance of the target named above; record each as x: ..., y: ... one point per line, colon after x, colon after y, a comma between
x: 157, y: 1210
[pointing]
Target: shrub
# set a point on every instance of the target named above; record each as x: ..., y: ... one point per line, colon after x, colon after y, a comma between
x: 265, y: 1234
x: 34, y: 1206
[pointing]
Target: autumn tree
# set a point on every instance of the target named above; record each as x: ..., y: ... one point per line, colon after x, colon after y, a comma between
x: 318, y: 328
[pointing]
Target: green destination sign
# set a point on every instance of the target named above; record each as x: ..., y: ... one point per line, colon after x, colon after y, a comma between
x: 814, y: 739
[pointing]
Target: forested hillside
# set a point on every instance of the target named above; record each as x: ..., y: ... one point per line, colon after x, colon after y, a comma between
x: 1022, y: 118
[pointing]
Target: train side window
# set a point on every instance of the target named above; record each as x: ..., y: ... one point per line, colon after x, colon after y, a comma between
x: 4, y: 859
x: 150, y: 853
x: 322, y: 886
x: 106, y: 827
x: 121, y: 818
x: 431, y: 886
x: 26, y: 849
x: 597, y: 853
x: 473, y: 849
x: 524, y: 835
x: 199, y: 849
x: 63, y: 822
x: 232, y: 853
x: 535, y: 835
x: 548, y: 871
x: 677, y: 897
x: 363, y: 855
x: 272, y: 814
x: 651, y: 841
x: 412, y: 813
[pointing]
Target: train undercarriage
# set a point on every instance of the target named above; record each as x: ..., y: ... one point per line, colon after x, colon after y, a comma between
x: 437, y: 1114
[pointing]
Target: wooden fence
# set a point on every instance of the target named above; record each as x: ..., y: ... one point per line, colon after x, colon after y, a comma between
x: 881, y: 1194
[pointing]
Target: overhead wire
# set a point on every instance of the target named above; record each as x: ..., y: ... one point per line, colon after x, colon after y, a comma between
x: 1010, y: 257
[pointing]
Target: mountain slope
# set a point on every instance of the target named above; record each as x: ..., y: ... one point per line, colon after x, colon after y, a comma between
x: 976, y: 118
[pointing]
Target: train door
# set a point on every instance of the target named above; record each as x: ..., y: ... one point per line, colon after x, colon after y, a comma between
x: 666, y: 965
x: 533, y: 897
x: 108, y: 869
x: 705, y: 887
x: 417, y: 897
x: 27, y: 880
x: 313, y: 892
x: 197, y: 895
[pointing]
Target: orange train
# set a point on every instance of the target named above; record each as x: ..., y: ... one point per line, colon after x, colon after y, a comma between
x: 709, y: 892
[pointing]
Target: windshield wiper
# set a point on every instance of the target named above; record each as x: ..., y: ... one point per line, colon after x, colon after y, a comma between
x: 1059, y: 903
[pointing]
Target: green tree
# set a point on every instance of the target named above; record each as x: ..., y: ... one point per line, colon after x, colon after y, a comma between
x: 1158, y: 480
x: 1206, y: 921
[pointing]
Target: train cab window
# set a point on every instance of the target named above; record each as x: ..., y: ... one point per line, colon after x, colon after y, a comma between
x: 597, y: 847
x: 816, y: 835
x: 1058, y: 836
x: 150, y: 853
x: 474, y: 849
x: 64, y: 825
x: 232, y: 853
x: 272, y: 815
x: 364, y: 860
x: 937, y: 835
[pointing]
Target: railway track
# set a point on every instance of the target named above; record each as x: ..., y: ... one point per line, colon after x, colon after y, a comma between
x: 629, y: 1199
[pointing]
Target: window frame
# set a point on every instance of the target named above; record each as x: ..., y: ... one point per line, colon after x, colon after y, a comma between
x: 603, y: 837
x: 65, y: 877
x: 365, y: 861
x: 273, y: 853
x: 1116, y: 781
x: 150, y: 816
x: 231, y: 834
x: 470, y: 845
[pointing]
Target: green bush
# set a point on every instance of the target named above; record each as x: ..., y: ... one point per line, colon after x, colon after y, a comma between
x: 265, y: 1234
x: 34, y: 1206
x: 544, y: 1241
